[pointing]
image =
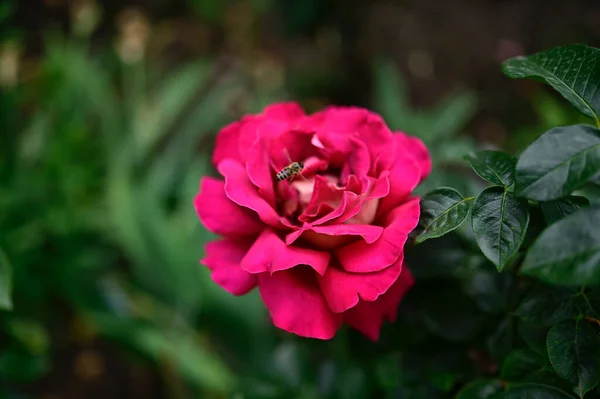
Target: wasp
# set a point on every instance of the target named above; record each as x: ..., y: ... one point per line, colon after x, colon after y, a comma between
x: 290, y: 171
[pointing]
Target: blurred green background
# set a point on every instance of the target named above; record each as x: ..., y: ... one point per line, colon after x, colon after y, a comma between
x: 108, y: 115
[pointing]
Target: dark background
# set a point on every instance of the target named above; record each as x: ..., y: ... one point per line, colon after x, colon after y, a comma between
x: 102, y: 152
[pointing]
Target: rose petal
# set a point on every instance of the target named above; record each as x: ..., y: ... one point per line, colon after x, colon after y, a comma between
x: 260, y: 171
x: 240, y: 190
x: 223, y: 259
x: 270, y: 254
x: 364, y: 211
x: 359, y: 257
x: 221, y: 215
x: 342, y: 290
x: 329, y: 237
x: 404, y: 176
x: 296, y: 304
x: 226, y: 146
x: 417, y: 150
x: 379, y: 140
x: 367, y: 317
x: 284, y: 110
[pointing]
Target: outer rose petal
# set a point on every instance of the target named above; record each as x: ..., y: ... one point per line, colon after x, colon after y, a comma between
x: 359, y: 257
x: 226, y: 146
x: 367, y: 317
x: 296, y: 304
x: 223, y: 259
x: 221, y: 215
x: 417, y: 150
x: 240, y: 190
x: 284, y: 110
x: 404, y: 177
x: 342, y: 290
x: 270, y: 254
x: 260, y: 171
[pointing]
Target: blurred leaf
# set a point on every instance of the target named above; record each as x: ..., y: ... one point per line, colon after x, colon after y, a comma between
x: 546, y: 306
x: 495, y: 167
x: 572, y: 70
x: 588, y: 303
x: 390, y: 93
x: 535, y: 391
x: 19, y: 366
x: 451, y: 115
x: 154, y: 118
x: 558, y: 209
x: 482, y: 389
x: 574, y: 350
x: 5, y: 282
x: 572, y: 155
x: 499, y: 222
x: 7, y: 8
x: 502, y: 340
x: 31, y: 334
x: 520, y: 363
x: 488, y: 288
x: 443, y: 257
x: 442, y: 211
x: 534, y: 336
x: 451, y: 315
x: 567, y: 252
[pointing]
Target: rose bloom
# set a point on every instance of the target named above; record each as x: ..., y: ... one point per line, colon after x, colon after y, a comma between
x: 327, y: 247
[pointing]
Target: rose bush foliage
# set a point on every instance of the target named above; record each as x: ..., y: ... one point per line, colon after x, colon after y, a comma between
x: 325, y: 248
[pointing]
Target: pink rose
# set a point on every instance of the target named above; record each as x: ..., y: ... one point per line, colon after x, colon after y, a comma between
x: 327, y: 247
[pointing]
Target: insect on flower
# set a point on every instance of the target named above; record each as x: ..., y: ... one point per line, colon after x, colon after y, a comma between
x: 290, y: 171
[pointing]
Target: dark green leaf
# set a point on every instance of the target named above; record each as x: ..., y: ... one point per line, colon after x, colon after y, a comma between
x: 534, y: 336
x: 488, y: 288
x: 589, y: 304
x: 558, y: 162
x: 568, y: 252
x: 442, y: 211
x: 520, y: 363
x: 499, y: 223
x: 450, y: 314
x: 495, y: 167
x: 480, y: 389
x: 574, y: 350
x: 535, y: 391
x: 5, y: 282
x: 501, y: 342
x: 546, y: 306
x: 573, y: 70
x: 558, y: 209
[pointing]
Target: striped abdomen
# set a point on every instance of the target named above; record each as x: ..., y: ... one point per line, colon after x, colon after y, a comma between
x: 290, y: 171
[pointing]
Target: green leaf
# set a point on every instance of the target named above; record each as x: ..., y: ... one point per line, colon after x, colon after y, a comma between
x: 534, y: 336
x: 558, y: 209
x: 573, y: 70
x: 545, y: 306
x: 495, y: 167
x: 535, y: 391
x: 499, y: 223
x: 520, y: 363
x: 558, y: 162
x: 442, y: 211
x: 574, y: 350
x: 5, y: 282
x: 567, y: 252
x: 480, y: 389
